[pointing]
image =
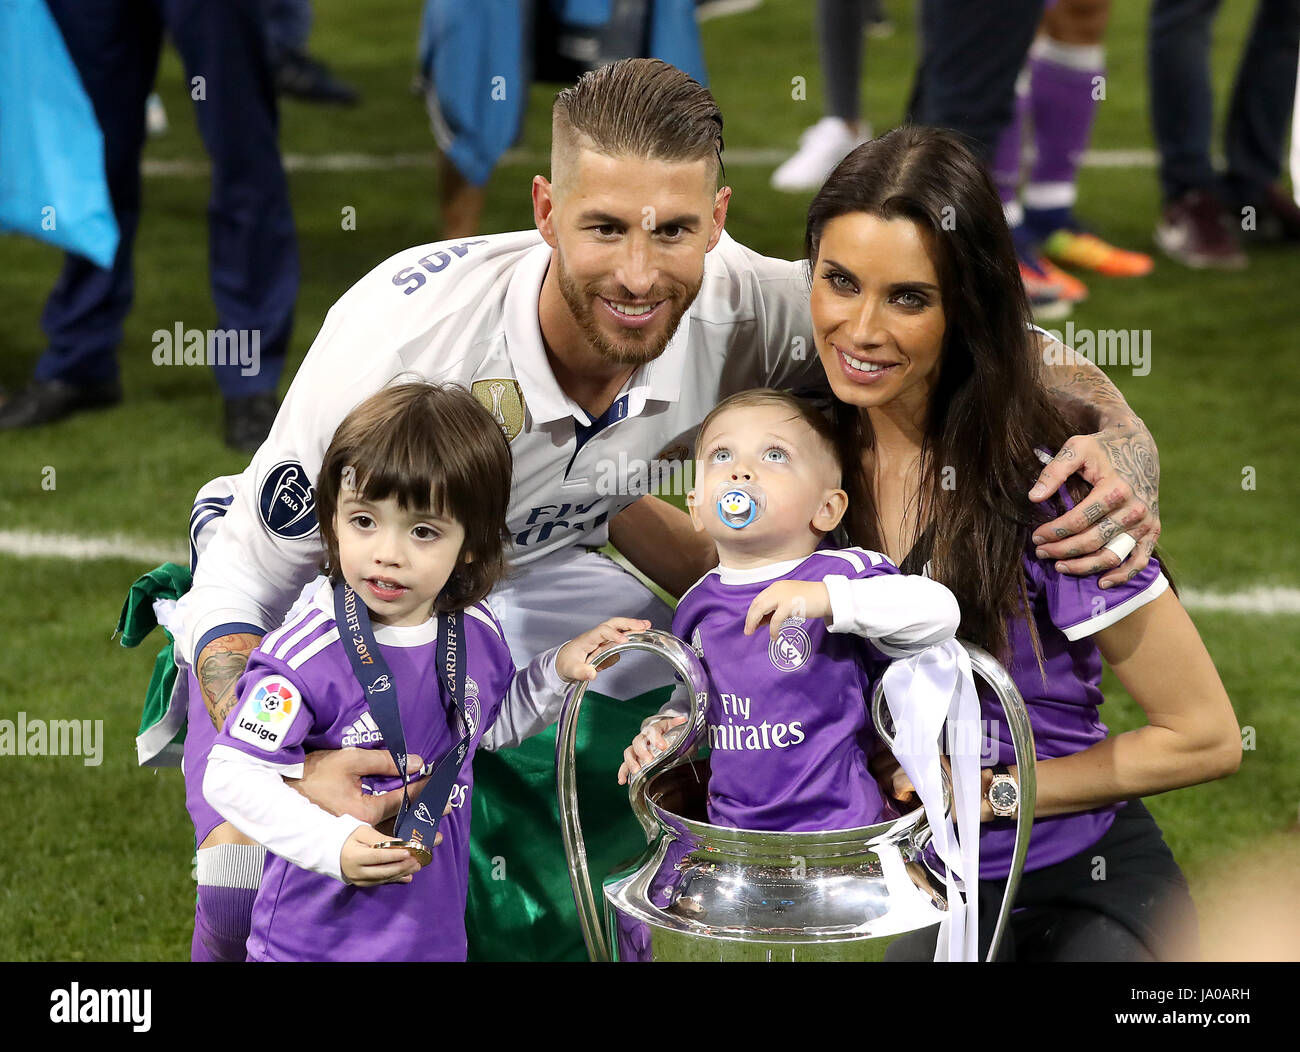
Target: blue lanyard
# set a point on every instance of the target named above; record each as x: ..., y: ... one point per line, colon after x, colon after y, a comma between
x: 371, y: 671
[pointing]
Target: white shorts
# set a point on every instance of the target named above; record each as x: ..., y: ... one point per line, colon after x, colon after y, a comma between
x: 560, y: 596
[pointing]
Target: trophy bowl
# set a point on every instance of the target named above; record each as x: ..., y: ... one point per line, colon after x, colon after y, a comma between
x: 707, y: 893
x: 703, y: 892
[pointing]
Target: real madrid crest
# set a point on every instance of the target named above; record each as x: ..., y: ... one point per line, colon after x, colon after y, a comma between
x: 471, y: 705
x: 504, y: 400
x: 791, y: 647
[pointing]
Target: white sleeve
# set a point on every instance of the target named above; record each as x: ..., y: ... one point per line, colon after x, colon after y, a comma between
x: 251, y: 795
x: 532, y: 703
x: 902, y: 614
x: 264, y: 551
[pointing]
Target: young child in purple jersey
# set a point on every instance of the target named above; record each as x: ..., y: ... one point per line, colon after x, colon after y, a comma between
x: 788, y: 722
x: 412, y: 497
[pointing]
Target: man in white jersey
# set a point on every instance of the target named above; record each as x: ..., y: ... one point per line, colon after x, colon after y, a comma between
x: 598, y: 341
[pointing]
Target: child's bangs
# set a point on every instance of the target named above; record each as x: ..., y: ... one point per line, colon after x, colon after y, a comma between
x: 417, y: 484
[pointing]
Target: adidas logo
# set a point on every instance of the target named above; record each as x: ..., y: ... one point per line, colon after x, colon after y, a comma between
x: 363, y: 732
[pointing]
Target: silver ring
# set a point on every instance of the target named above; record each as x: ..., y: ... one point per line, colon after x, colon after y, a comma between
x: 1121, y: 544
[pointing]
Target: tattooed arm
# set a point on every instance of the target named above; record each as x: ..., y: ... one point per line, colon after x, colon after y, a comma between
x: 331, y: 778
x: 1119, y: 461
x: 219, y: 668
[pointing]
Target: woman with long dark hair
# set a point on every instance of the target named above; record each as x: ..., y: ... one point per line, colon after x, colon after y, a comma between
x: 921, y: 323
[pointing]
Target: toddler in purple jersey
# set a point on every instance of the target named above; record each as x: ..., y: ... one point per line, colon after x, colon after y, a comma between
x: 788, y: 723
x: 412, y: 499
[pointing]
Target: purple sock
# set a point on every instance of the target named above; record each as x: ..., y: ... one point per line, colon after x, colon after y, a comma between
x: 1062, y: 79
x: 1007, y: 156
x: 222, y: 918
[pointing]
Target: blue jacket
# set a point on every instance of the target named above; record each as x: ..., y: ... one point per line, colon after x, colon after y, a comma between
x: 52, y: 181
x: 474, y: 56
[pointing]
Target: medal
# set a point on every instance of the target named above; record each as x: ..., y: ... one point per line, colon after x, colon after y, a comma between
x: 416, y: 824
x: 415, y: 846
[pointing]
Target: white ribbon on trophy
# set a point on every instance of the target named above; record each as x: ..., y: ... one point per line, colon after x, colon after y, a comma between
x: 923, y: 693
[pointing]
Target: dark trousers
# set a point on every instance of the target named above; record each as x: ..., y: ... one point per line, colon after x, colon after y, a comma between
x: 1123, y: 899
x: 252, y: 249
x: 1182, y: 103
x: 971, y: 55
x: 288, y: 25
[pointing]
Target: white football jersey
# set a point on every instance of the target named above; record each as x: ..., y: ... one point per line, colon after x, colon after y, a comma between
x: 466, y: 312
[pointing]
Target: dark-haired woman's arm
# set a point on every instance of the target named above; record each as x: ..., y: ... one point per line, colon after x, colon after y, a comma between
x: 1191, y: 734
x: 1119, y: 460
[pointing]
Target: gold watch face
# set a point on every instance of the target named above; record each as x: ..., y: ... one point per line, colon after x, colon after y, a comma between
x: 1003, y: 795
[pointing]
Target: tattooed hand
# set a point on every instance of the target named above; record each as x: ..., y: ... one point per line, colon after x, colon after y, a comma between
x: 1121, y: 465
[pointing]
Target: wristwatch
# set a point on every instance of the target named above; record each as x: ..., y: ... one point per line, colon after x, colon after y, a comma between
x: 1004, y: 794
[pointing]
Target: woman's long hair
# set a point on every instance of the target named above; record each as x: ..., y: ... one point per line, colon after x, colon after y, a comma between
x: 989, y: 412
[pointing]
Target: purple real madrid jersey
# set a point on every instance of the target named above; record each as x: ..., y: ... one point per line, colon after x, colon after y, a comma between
x: 300, y: 680
x: 1062, y: 698
x: 788, y: 726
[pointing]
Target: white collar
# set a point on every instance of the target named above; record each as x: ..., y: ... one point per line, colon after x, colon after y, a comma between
x: 767, y: 572
x: 660, y: 379
x: 420, y: 635
x: 523, y: 330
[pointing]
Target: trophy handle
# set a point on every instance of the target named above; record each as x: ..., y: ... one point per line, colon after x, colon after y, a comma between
x: 689, y: 670
x: 988, y: 668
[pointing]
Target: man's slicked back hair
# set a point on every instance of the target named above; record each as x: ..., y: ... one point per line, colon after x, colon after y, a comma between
x: 639, y: 107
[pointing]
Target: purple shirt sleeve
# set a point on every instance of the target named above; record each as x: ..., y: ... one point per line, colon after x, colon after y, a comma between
x: 1079, y: 606
x: 274, y: 715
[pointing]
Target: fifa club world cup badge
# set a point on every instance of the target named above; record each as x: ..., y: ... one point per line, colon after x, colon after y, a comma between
x: 501, y: 397
x: 791, y: 647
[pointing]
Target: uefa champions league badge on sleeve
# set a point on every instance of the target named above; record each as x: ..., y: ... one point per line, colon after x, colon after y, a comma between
x: 287, y: 502
x: 269, y: 710
x: 739, y: 504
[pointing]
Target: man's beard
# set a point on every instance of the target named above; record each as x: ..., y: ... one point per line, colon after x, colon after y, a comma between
x: 638, y: 347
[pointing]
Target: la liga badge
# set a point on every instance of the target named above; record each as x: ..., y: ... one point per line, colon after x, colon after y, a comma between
x: 269, y: 710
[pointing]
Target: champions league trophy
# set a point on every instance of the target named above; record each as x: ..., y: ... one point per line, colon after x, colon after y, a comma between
x: 702, y: 892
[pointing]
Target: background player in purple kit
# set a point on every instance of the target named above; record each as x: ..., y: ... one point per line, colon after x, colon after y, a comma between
x: 921, y: 326
x: 789, y: 730
x: 412, y: 498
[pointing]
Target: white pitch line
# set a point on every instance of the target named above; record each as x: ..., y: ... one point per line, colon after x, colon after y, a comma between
x: 766, y: 157
x: 1261, y: 599
x: 81, y: 549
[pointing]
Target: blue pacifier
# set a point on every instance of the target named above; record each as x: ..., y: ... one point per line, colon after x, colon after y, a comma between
x: 739, y: 504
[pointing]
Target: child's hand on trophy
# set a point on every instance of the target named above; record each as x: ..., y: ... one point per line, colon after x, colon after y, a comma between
x: 895, y: 783
x: 891, y: 777
x: 574, y: 662
x: 647, y: 746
